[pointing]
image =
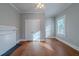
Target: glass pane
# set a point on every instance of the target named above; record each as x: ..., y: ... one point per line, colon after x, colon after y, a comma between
x: 60, y: 26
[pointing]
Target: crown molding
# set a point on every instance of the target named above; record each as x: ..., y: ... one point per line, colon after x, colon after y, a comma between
x: 12, y: 5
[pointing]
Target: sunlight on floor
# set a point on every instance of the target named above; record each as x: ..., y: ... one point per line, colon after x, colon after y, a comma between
x: 46, y: 45
x: 38, y: 44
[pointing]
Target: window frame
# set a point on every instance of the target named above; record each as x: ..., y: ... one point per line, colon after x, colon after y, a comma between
x: 59, y: 18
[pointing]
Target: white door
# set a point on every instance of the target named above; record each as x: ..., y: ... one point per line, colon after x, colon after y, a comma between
x: 32, y: 29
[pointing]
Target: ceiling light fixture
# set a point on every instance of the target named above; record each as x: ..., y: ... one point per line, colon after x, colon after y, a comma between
x: 40, y: 5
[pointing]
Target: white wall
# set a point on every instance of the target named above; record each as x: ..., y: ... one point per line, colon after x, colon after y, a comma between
x: 71, y: 25
x: 33, y: 16
x: 7, y: 38
x: 43, y: 22
x: 9, y: 17
x: 50, y: 22
x: 32, y: 26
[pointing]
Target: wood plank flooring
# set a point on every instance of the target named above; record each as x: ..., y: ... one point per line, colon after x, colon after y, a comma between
x: 50, y: 47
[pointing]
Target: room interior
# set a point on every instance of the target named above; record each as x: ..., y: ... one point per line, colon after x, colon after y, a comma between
x: 39, y: 29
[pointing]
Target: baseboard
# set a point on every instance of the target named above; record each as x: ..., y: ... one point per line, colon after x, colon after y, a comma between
x: 73, y: 46
x: 26, y: 40
x: 20, y: 40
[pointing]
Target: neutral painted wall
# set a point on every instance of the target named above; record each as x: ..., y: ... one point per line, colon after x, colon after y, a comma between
x: 43, y: 22
x: 7, y: 38
x: 71, y: 25
x: 50, y: 22
x: 9, y: 17
x: 32, y: 16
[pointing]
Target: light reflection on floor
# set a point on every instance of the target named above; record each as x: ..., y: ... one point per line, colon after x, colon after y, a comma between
x: 46, y: 45
x: 39, y: 44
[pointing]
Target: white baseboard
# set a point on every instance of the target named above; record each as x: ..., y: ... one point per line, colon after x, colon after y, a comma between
x: 26, y: 40
x: 20, y: 40
x: 73, y: 46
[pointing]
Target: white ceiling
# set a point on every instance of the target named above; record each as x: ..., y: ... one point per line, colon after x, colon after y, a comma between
x: 50, y: 8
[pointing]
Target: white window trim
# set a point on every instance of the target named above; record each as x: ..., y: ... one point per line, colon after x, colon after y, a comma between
x: 64, y: 26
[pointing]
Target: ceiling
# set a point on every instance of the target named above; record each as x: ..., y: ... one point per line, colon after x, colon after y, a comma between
x: 51, y: 9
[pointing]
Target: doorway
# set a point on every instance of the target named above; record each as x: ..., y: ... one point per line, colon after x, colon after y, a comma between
x: 32, y: 29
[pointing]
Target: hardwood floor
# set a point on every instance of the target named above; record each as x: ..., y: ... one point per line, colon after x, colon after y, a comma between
x: 51, y: 47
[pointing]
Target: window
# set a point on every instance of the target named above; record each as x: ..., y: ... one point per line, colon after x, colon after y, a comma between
x: 61, y: 25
